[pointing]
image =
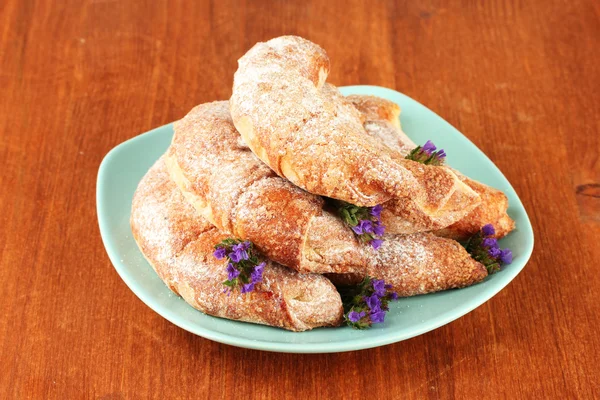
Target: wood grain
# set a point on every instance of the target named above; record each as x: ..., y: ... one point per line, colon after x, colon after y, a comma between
x: 520, y: 79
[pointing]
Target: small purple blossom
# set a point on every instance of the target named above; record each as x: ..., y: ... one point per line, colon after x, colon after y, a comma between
x: 488, y: 230
x: 379, y: 287
x: 494, y: 252
x: 364, y: 226
x: 373, y: 302
x: 377, y: 317
x: 427, y: 154
x: 243, y: 269
x: 247, y: 287
x: 232, y: 272
x: 354, y: 316
x: 376, y: 243
x: 239, y: 253
x: 376, y: 211
x: 379, y: 229
x: 483, y: 247
x: 365, y: 222
x: 370, y: 299
x: 490, y: 243
x: 429, y: 147
x: 220, y: 253
x: 256, y: 275
x: 506, y: 256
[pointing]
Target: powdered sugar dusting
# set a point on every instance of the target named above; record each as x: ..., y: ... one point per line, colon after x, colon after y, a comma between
x: 309, y: 134
x: 403, y: 216
x: 242, y: 196
x: 179, y: 245
x: 424, y: 263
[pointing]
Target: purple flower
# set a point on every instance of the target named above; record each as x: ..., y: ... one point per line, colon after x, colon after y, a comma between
x: 376, y: 211
x: 374, y: 302
x: 379, y: 287
x: 247, y: 287
x: 490, y: 242
x: 239, y: 253
x: 246, y: 245
x: 367, y: 226
x: 354, y: 316
x: 506, y: 256
x: 494, y: 252
x: 377, y: 317
x: 379, y: 229
x: 220, y: 253
x: 376, y: 243
x: 429, y: 147
x: 358, y: 229
x: 427, y: 154
x: 232, y: 272
x: 362, y: 227
x: 256, y: 275
x: 488, y: 230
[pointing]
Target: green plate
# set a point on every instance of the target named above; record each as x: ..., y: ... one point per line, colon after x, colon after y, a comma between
x: 124, y: 166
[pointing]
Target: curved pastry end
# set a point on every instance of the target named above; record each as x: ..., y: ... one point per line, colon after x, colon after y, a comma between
x: 314, y: 305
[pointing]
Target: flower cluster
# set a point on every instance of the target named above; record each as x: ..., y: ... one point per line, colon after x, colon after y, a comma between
x: 243, y: 267
x: 365, y: 222
x: 484, y: 248
x: 427, y: 154
x: 367, y: 303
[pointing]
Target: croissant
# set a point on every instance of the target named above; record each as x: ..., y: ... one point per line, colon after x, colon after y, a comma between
x: 307, y: 132
x: 418, y: 264
x: 381, y: 121
x: 229, y: 185
x: 492, y: 210
x: 179, y: 243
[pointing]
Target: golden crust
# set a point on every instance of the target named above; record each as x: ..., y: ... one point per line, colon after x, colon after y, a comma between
x: 492, y: 210
x: 310, y: 134
x: 400, y: 218
x: 234, y: 190
x: 418, y: 264
x: 424, y: 263
x: 267, y: 207
x: 179, y: 244
x: 376, y: 108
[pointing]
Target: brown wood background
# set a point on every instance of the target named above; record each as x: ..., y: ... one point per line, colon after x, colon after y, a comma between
x: 519, y: 78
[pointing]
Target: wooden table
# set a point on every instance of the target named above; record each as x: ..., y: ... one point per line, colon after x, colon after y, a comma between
x: 520, y: 79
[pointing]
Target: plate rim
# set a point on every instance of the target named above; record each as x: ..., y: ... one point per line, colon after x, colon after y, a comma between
x: 329, y: 347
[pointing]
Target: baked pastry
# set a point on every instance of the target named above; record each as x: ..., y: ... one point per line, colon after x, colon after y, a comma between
x: 492, y: 210
x: 307, y: 132
x: 418, y: 264
x: 381, y: 120
x: 230, y: 187
x: 179, y: 245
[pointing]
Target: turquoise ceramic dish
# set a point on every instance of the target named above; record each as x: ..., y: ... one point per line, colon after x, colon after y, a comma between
x: 124, y: 166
